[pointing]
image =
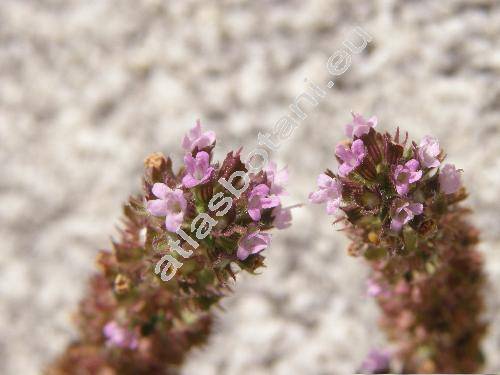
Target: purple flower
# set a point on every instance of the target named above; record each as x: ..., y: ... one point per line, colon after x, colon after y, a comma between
x: 406, y: 175
x: 198, y: 170
x: 259, y: 199
x: 252, y: 243
x: 197, y: 138
x: 403, y: 213
x: 330, y: 191
x: 427, y: 151
x: 351, y: 157
x: 359, y: 125
x: 282, y: 217
x: 449, y: 179
x: 119, y: 336
x: 170, y: 203
x: 277, y: 179
x: 377, y: 362
x: 373, y: 288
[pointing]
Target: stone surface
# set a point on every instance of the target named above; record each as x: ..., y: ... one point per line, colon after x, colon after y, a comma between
x: 89, y: 88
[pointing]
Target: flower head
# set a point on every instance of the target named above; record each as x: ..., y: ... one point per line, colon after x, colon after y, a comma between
x: 277, y: 179
x: 359, y: 126
x: 170, y: 203
x: 329, y: 191
x: 403, y: 213
x: 351, y: 157
x: 449, y: 179
x: 406, y: 175
x: 198, y: 169
x: 259, y: 199
x: 119, y: 336
x: 197, y: 138
x: 428, y: 151
x: 252, y: 243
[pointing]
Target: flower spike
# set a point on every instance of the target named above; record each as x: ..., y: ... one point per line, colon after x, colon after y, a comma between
x: 152, y: 300
x: 400, y: 206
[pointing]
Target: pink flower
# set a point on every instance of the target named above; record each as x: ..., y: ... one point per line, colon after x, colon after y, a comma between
x: 359, y: 126
x: 252, y: 243
x: 373, y: 289
x: 406, y: 175
x: 330, y: 191
x: 282, y: 217
x: 277, y: 179
x: 259, y: 199
x: 170, y: 203
x: 449, y: 179
x: 403, y: 213
x: 119, y: 336
x: 351, y: 157
x: 428, y: 152
x: 198, y: 170
x: 377, y: 362
x: 197, y: 138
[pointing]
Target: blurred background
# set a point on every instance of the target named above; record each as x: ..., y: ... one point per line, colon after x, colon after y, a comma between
x: 89, y: 88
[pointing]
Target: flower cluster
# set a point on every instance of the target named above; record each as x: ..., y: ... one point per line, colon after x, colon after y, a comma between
x: 241, y: 205
x: 400, y: 206
x: 175, y: 259
x: 379, y: 175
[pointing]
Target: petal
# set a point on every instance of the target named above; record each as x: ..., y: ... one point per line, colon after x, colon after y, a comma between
x: 434, y: 164
x: 416, y: 208
x: 415, y: 176
x: 271, y: 170
x: 282, y: 217
x: 157, y: 207
x: 402, y: 189
x: 358, y: 149
x: 260, y: 242
x: 242, y: 253
x: 396, y: 225
x: 345, y: 169
x: 270, y: 202
x: 319, y: 196
x: 397, y: 171
x: 332, y: 206
x: 189, y: 181
x: 373, y: 121
x: 174, y: 222
x: 412, y: 165
x: 210, y: 136
x: 324, y: 180
x: 160, y: 190
x: 202, y: 159
x: 449, y: 179
x: 342, y: 152
x: 207, y: 175
x: 361, y: 130
x: 186, y: 143
x: 110, y: 328
x: 254, y: 213
x: 195, y: 131
x: 259, y: 190
x: 190, y: 163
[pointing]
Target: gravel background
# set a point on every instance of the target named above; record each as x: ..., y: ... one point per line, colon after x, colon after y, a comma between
x: 89, y: 88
